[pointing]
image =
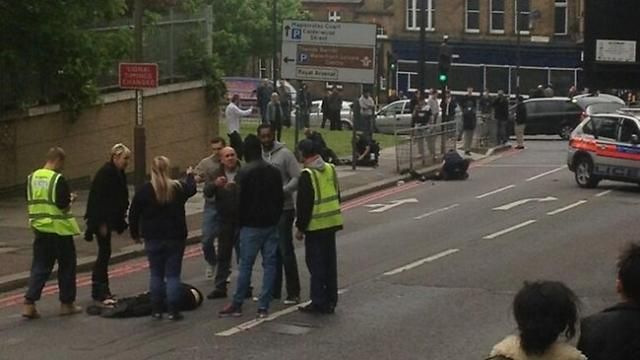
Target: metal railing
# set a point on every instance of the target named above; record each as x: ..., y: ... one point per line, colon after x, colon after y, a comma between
x: 424, y: 145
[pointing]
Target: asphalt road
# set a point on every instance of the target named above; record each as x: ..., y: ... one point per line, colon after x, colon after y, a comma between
x: 432, y: 277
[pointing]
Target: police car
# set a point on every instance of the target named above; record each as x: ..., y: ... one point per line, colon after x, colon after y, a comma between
x: 606, y: 146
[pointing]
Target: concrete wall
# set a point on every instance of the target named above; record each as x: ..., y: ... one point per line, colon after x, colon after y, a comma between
x: 178, y: 122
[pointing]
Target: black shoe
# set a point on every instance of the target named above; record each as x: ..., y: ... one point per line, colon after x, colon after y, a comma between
x: 313, y: 309
x: 175, y: 316
x: 156, y: 316
x: 468, y: 153
x: 231, y: 310
x: 217, y: 294
x: 520, y: 147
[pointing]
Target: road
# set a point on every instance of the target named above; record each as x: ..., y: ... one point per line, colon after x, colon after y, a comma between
x: 431, y: 277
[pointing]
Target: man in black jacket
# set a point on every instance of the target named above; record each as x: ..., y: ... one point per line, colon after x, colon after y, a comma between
x: 614, y: 334
x: 260, y: 206
x: 106, y: 211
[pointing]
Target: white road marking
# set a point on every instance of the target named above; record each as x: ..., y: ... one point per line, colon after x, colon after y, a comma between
x: 393, y: 204
x: 606, y: 192
x: 524, y: 201
x: 558, y: 211
x: 495, y: 191
x: 436, y: 211
x: 508, y: 230
x: 255, y: 322
x: 546, y: 173
x: 421, y: 262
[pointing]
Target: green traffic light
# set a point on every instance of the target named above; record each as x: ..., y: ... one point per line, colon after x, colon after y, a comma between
x: 442, y: 77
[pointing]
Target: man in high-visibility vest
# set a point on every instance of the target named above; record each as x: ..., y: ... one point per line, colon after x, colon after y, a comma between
x: 318, y: 220
x: 49, y: 201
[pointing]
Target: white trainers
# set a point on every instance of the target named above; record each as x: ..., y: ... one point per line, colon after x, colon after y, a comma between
x: 209, y: 272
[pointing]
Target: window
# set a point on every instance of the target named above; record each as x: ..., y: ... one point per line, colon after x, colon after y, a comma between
x: 628, y: 128
x: 472, y: 18
x: 606, y: 128
x: 561, y: 17
x: 381, y: 33
x: 413, y: 14
x: 497, y: 16
x: 587, y: 128
x: 334, y: 16
x: 523, y: 11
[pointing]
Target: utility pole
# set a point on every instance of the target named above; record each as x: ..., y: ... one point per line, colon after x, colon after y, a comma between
x: 421, y: 56
x: 274, y: 59
x: 139, y: 136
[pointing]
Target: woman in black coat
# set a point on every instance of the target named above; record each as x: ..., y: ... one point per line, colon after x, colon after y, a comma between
x: 106, y: 211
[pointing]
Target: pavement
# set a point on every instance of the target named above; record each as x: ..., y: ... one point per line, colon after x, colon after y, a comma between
x: 16, y: 237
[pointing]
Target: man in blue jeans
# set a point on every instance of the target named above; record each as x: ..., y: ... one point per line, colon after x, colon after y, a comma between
x: 260, y: 208
x: 210, y: 226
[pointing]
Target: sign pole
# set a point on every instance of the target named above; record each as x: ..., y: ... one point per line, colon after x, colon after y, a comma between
x: 139, y: 136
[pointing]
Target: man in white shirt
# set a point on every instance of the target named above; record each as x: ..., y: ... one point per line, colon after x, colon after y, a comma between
x: 233, y: 113
x: 367, y: 107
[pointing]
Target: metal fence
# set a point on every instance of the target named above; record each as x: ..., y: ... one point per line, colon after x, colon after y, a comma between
x: 423, y: 146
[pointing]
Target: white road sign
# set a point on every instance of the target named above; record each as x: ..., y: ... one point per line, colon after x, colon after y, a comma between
x: 524, y: 201
x: 328, y: 51
x: 616, y: 51
x: 392, y: 204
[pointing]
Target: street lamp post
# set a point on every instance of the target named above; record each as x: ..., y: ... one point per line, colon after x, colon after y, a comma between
x: 275, y: 41
x: 421, y: 55
x: 139, y: 136
x: 533, y: 15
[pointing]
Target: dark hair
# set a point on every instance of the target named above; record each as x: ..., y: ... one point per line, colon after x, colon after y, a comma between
x: 252, y: 148
x: 308, y: 148
x: 629, y: 271
x: 544, y: 310
x: 265, y: 126
x: 218, y: 140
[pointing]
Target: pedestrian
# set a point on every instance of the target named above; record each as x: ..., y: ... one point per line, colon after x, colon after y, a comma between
x: 614, y: 333
x: 304, y: 103
x: 521, y: 122
x: 106, y: 212
x: 548, y: 91
x: 275, y: 115
x: 367, y: 109
x: 285, y: 103
x: 454, y: 166
x: 157, y: 215
x: 488, y: 127
x: 327, y: 154
x: 468, y: 119
x: 335, y: 106
x: 501, y: 113
x: 573, y: 91
x: 319, y: 218
x: 543, y: 311
x: 205, y: 172
x: 222, y: 186
x: 276, y: 154
x: 325, y: 108
x: 49, y: 203
x: 448, y: 108
x: 432, y: 102
x: 538, y: 92
x: 233, y: 113
x: 367, y: 151
x: 420, y: 119
x: 263, y: 93
x: 260, y: 209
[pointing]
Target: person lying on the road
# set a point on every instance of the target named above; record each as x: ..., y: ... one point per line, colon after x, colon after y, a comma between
x: 454, y: 167
x: 367, y: 151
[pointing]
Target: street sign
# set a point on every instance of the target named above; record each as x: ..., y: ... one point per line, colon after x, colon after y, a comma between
x: 616, y: 51
x: 328, y: 51
x: 138, y: 75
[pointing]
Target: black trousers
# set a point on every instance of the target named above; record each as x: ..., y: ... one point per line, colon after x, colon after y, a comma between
x: 235, y: 141
x: 321, y: 258
x: 334, y: 120
x: 100, y: 274
x: 286, y: 257
x: 47, y: 248
x: 227, y: 240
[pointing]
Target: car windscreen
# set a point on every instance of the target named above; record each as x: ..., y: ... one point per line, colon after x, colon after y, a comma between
x: 603, y: 108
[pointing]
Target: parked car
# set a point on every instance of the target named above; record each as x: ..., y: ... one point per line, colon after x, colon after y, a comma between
x: 315, y: 116
x: 397, y: 115
x: 606, y: 146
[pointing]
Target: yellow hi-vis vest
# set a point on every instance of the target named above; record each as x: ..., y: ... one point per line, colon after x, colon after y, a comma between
x: 44, y: 215
x: 326, y: 205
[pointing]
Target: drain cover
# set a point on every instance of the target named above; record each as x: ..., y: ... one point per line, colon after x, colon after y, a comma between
x: 290, y: 329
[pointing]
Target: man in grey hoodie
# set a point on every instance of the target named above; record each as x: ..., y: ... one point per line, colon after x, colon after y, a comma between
x: 278, y: 155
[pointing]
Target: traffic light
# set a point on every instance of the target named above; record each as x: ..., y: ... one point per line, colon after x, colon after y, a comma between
x: 444, y: 63
x: 443, y: 77
x: 392, y: 62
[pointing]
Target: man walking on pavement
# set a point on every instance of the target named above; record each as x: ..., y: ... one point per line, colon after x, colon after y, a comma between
x: 260, y: 208
x: 448, y: 108
x: 275, y: 114
x: 49, y: 202
x: 488, y: 128
x: 233, y: 114
x: 205, y: 172
x: 325, y: 108
x: 501, y: 113
x: 283, y: 159
x: 106, y: 211
x: 263, y: 94
x: 303, y: 102
x: 224, y: 189
x: 432, y: 102
x: 367, y: 108
x: 468, y: 119
x: 335, y: 106
x: 521, y: 122
x: 319, y: 219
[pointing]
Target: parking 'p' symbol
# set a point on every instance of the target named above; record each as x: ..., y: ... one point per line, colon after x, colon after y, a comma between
x: 303, y: 58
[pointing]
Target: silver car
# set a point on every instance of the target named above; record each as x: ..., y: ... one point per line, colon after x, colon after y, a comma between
x: 397, y: 115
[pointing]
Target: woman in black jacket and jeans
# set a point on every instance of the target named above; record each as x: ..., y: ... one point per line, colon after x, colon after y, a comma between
x: 106, y: 211
x: 157, y: 215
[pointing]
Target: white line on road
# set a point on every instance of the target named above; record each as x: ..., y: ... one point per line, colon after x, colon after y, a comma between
x: 558, y: 211
x: 421, y: 262
x: 546, y: 173
x: 255, y: 322
x: 495, y: 191
x: 606, y: 192
x: 436, y: 211
x: 508, y: 230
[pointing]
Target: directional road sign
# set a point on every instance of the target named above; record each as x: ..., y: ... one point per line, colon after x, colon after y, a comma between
x: 328, y: 51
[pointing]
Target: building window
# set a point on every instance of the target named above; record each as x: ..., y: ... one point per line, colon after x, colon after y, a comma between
x: 413, y: 14
x: 561, y: 17
x: 381, y: 33
x: 523, y: 11
x: 334, y: 16
x: 497, y: 16
x: 472, y: 18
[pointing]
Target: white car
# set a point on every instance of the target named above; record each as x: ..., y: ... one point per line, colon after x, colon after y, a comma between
x: 315, y: 116
x: 397, y: 115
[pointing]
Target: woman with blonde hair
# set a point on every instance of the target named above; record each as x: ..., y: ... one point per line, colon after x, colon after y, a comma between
x: 157, y: 215
x: 106, y: 212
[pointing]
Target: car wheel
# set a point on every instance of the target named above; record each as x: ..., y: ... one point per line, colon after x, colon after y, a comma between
x: 346, y: 125
x: 565, y: 132
x: 584, y: 173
